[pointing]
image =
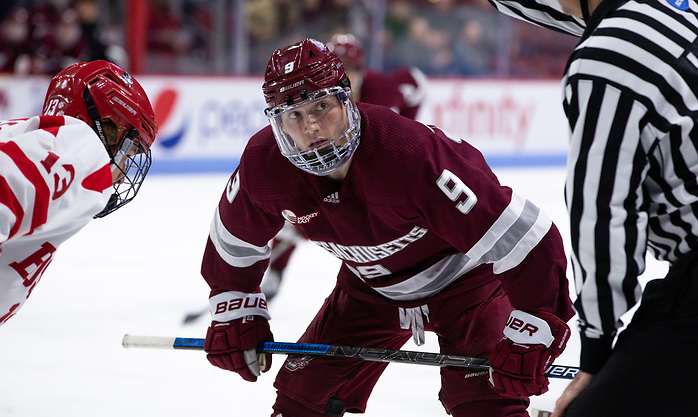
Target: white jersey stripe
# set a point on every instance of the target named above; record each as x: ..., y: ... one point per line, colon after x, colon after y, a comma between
x: 517, y: 231
x: 234, y: 251
x: 529, y: 241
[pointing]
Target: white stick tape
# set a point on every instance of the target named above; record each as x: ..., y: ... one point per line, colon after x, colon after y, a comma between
x: 155, y: 342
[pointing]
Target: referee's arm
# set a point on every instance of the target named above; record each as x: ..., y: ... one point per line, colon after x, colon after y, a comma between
x: 606, y: 168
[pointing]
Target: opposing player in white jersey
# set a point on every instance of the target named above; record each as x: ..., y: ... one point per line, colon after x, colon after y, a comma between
x: 84, y: 157
x: 429, y: 241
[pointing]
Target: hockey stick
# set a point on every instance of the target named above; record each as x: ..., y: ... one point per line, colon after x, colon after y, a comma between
x: 194, y: 315
x: 349, y: 352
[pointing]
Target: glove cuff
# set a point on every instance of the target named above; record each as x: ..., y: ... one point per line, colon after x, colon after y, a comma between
x: 544, y: 328
x: 232, y: 305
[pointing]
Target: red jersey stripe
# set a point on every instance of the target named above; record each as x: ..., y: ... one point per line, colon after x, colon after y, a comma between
x: 51, y: 124
x: 99, y: 180
x: 8, y: 198
x: 31, y: 173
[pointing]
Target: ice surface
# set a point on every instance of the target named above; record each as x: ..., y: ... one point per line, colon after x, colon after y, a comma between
x: 137, y: 271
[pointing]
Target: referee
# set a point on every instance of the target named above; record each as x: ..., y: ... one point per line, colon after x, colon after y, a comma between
x: 631, y: 99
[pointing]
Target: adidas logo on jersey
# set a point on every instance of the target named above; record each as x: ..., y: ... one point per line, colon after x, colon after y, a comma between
x: 332, y: 198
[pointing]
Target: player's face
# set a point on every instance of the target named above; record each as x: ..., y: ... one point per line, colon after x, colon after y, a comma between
x: 316, y: 123
x: 318, y: 135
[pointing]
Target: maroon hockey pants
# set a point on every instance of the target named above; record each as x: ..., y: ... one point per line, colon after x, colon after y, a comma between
x: 469, y: 324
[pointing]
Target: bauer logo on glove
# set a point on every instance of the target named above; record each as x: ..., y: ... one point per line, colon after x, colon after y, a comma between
x: 530, y: 344
x: 527, y: 329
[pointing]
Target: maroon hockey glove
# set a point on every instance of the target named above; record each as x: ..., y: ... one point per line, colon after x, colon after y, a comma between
x: 531, y: 343
x: 231, y: 346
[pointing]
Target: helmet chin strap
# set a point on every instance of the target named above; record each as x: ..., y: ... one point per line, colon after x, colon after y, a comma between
x: 96, y: 119
x: 584, y: 4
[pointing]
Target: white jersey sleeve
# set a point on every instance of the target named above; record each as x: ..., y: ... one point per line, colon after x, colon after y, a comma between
x: 54, y: 177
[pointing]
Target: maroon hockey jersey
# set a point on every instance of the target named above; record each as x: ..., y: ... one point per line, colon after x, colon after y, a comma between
x: 419, y: 216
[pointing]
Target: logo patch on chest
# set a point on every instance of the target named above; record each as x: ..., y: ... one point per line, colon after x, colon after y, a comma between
x: 293, y: 219
x: 679, y: 4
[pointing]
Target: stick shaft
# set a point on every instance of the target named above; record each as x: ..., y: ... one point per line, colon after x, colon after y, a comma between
x: 374, y: 354
x: 349, y: 352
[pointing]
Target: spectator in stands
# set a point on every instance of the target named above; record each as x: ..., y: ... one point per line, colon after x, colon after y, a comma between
x: 397, y: 19
x: 72, y: 45
x: 424, y: 47
x: 61, y: 46
x: 472, y: 55
x: 87, y: 13
x: 262, y: 19
x: 15, y: 42
x: 167, y: 37
x: 7, y: 7
x: 49, y: 36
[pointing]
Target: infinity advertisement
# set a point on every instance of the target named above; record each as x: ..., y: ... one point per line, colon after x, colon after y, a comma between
x: 205, y: 122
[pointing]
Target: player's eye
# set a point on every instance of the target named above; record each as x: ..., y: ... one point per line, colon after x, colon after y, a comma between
x: 321, y: 105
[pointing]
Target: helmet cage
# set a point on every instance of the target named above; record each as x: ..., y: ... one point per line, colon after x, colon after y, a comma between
x: 131, y: 164
x: 129, y: 159
x: 330, y: 157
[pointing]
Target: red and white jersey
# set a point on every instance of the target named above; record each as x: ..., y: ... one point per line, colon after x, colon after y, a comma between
x: 403, y: 90
x: 54, y: 177
x: 419, y: 216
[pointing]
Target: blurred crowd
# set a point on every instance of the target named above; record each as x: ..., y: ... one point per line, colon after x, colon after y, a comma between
x: 43, y: 37
x: 469, y: 37
x: 441, y: 37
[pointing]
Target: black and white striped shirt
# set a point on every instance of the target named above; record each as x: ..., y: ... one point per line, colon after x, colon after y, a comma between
x: 631, y: 98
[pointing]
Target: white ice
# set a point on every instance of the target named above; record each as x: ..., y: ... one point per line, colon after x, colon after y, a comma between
x: 137, y: 272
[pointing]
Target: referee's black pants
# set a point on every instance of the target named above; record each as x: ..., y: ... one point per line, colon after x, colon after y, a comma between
x: 653, y: 369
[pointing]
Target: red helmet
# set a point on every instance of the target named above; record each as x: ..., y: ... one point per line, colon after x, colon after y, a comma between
x: 99, y: 92
x: 297, y: 70
x: 348, y: 48
x: 96, y: 90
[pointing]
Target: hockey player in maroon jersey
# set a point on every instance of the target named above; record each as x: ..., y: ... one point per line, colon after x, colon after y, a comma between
x: 428, y: 238
x: 84, y: 157
x: 403, y: 91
